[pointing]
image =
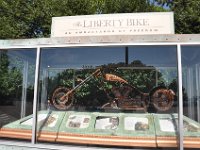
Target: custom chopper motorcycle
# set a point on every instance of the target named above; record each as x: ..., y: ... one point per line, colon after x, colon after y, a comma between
x: 124, y: 96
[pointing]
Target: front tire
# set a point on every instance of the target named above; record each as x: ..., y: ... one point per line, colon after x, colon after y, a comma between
x: 58, y: 103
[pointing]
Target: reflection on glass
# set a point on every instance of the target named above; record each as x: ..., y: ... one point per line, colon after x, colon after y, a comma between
x: 152, y: 56
x: 107, y: 85
x: 191, y: 94
x: 43, y: 119
x: 78, y: 74
x: 17, y: 70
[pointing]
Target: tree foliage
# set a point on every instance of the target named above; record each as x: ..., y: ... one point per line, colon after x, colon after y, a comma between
x: 32, y: 18
x: 10, y: 77
x: 127, y: 6
x: 186, y: 14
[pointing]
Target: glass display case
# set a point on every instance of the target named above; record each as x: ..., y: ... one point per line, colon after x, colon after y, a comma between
x: 123, y: 95
x: 17, y: 75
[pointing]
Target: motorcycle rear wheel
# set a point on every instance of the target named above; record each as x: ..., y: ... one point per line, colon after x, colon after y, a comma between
x: 162, y: 99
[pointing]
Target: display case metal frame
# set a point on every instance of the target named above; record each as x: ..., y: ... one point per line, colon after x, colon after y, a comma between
x: 121, y: 40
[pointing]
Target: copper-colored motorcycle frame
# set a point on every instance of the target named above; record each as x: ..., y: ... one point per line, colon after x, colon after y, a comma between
x: 161, y: 97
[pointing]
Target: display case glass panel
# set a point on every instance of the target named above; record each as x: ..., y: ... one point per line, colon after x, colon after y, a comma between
x: 17, y: 76
x: 191, y: 94
x: 107, y: 93
x: 112, y: 96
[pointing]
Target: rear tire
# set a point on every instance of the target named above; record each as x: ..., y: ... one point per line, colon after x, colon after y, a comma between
x: 162, y: 98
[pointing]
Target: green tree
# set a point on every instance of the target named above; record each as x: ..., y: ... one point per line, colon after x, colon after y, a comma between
x: 10, y: 77
x: 32, y: 18
x: 186, y: 14
x: 128, y: 6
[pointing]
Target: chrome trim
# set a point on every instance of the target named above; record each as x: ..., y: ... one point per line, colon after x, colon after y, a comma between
x: 37, y: 68
x: 180, y: 97
x: 168, y: 39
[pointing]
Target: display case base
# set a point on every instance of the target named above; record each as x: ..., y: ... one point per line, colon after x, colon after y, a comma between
x: 100, y: 128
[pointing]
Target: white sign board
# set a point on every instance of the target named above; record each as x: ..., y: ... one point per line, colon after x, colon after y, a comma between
x: 113, y: 24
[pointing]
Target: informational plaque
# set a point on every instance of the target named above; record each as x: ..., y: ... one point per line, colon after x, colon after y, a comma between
x: 113, y: 24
